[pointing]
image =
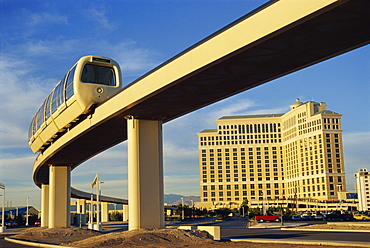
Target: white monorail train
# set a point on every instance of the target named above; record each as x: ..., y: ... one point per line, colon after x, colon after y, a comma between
x: 91, y: 81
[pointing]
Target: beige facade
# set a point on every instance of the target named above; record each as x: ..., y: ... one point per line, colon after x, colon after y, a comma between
x: 363, y: 189
x: 272, y: 157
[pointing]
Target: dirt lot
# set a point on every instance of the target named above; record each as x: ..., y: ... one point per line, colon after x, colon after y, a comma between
x: 76, y: 237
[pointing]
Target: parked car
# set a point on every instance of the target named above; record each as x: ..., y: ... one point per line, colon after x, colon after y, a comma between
x: 306, y: 217
x: 267, y: 217
x: 296, y: 217
x: 11, y: 224
x: 361, y: 217
x: 37, y: 222
x: 338, y: 215
x: 318, y: 217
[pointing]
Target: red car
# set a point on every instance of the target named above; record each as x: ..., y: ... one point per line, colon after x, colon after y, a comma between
x: 268, y: 217
x: 38, y: 223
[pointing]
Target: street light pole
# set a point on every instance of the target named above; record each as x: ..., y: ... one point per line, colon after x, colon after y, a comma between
x: 98, y: 210
x: 3, y: 228
x: 95, y: 182
x: 91, y: 209
x: 27, y: 212
x: 192, y: 208
x: 182, y: 208
x: 97, y: 204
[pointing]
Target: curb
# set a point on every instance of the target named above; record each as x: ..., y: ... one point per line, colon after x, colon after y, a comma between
x: 36, y: 244
x: 322, y: 230
x: 302, y: 242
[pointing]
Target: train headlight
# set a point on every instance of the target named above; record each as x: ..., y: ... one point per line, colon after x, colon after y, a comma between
x: 99, y: 90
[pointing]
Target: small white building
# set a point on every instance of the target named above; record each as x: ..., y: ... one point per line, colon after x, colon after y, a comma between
x: 363, y: 189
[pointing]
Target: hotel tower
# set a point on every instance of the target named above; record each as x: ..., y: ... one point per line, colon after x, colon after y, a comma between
x: 273, y: 157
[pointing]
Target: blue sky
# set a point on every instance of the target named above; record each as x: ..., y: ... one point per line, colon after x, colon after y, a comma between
x: 41, y: 40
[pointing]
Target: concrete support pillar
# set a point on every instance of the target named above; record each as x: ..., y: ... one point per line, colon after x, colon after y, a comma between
x: 59, y: 196
x: 104, y: 211
x: 125, y: 212
x: 44, y: 205
x: 81, y: 211
x: 145, y: 174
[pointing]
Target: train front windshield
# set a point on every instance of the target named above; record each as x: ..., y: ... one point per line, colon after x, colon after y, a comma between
x: 98, y: 75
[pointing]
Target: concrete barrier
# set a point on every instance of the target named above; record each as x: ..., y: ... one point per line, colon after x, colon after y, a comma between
x: 215, y: 231
x: 192, y: 228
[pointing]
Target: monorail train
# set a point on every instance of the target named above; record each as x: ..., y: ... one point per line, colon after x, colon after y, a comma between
x: 91, y: 81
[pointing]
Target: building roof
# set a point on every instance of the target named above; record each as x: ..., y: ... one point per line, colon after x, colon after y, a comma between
x: 21, y: 210
x: 250, y: 116
x: 327, y: 112
x: 209, y: 131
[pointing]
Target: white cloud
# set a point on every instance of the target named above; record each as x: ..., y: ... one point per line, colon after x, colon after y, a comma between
x: 19, y: 101
x: 356, y: 150
x: 40, y: 19
x: 356, y: 155
x: 16, y: 174
x: 10, y: 166
x: 114, y: 188
x: 360, y: 138
x: 17, y: 196
x: 132, y: 59
x: 58, y: 48
x: 100, y: 16
x: 183, y: 185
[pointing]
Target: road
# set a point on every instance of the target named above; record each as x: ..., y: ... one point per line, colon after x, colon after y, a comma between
x: 235, y: 228
x: 6, y: 244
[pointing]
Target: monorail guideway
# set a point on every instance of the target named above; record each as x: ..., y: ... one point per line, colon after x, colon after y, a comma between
x: 274, y: 40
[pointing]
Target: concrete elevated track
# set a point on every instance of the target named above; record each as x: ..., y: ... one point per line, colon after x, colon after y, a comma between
x: 274, y: 40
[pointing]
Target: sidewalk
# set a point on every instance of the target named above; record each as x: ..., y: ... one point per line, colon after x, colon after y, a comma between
x: 292, y: 225
x: 305, y: 242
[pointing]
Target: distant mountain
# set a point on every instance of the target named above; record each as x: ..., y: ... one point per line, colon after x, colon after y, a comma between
x: 173, y: 199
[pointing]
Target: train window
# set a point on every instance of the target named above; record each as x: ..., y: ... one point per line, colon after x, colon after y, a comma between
x: 69, y: 84
x: 98, y: 75
x: 40, y: 116
x: 30, y: 133
x: 54, y: 103
x: 57, y: 97
x: 61, y: 91
x: 32, y: 128
x: 47, y: 107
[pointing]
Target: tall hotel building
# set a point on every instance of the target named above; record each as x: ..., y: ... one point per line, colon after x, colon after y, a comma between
x: 273, y: 157
x: 363, y: 189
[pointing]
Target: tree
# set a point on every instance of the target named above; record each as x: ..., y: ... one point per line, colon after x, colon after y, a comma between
x: 116, y: 216
x: 244, y: 208
x: 222, y: 213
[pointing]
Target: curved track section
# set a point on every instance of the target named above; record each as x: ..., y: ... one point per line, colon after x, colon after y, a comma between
x: 75, y: 193
x: 279, y: 38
